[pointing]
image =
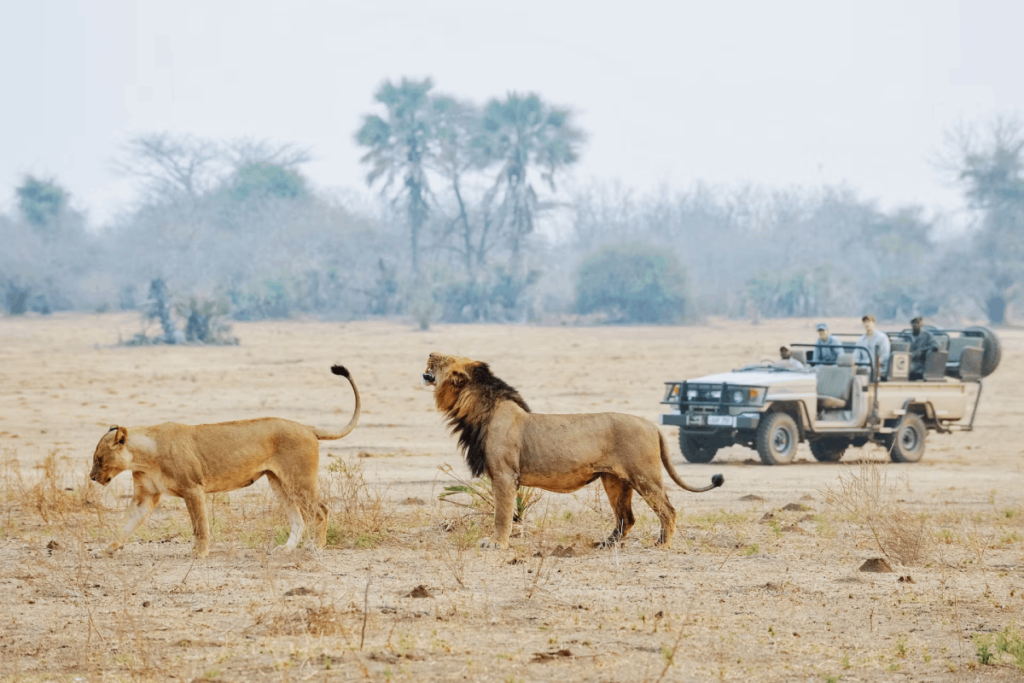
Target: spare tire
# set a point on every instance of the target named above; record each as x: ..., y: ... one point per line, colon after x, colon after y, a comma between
x: 993, y: 349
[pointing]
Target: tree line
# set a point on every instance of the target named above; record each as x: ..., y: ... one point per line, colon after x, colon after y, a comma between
x: 473, y: 222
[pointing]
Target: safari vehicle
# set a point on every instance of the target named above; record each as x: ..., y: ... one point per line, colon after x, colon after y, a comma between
x: 771, y: 408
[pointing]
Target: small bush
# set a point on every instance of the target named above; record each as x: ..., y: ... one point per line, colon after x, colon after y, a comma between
x: 636, y: 284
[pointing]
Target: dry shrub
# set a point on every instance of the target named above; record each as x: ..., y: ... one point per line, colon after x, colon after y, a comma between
x: 868, y: 499
x: 322, y: 618
x: 360, y: 512
x: 61, y: 494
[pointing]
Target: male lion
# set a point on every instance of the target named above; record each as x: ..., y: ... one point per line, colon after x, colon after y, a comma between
x: 561, y: 453
x: 190, y: 461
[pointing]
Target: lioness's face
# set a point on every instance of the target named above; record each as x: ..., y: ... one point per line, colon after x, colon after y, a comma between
x: 111, y: 457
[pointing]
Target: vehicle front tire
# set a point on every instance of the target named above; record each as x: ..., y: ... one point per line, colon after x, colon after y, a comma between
x: 695, y: 449
x: 908, y: 439
x: 777, y: 438
x: 829, y: 450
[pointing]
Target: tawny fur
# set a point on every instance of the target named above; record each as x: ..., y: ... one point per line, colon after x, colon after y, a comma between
x: 561, y: 453
x: 190, y: 461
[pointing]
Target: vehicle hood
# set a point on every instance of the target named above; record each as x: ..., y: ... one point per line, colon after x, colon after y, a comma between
x: 756, y: 378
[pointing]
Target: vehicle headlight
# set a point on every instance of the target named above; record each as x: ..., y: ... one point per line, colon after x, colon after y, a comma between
x: 717, y: 394
x: 691, y: 394
x: 739, y: 396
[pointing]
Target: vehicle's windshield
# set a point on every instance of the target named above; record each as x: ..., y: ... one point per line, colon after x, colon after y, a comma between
x: 774, y: 366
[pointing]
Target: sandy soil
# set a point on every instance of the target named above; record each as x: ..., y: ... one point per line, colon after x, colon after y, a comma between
x: 737, y: 598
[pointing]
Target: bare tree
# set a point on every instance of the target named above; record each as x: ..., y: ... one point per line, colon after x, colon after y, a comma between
x: 172, y: 166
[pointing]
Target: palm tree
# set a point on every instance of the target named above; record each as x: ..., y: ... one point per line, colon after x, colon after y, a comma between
x: 399, y: 146
x: 521, y: 132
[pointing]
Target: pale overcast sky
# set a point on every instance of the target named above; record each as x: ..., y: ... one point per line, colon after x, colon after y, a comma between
x: 769, y: 92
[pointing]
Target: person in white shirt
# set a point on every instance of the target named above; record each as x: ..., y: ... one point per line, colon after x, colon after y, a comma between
x: 877, y: 344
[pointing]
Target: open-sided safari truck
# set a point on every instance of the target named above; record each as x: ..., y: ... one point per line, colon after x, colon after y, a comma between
x: 771, y: 408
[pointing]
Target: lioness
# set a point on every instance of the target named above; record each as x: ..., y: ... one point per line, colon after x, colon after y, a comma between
x: 562, y: 453
x: 190, y: 461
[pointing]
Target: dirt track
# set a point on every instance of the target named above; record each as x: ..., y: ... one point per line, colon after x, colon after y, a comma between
x: 738, y: 599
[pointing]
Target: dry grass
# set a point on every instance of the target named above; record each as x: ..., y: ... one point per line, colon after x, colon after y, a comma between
x: 738, y: 597
x: 867, y: 498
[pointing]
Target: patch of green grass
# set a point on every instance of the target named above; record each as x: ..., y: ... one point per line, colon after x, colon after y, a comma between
x: 752, y: 549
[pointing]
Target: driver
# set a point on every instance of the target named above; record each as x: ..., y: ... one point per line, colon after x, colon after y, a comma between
x: 877, y: 343
x: 787, y: 361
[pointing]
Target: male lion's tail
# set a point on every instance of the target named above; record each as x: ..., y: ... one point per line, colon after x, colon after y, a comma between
x: 324, y: 435
x: 716, y: 480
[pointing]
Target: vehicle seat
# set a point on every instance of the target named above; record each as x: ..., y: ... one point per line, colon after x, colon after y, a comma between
x: 800, y: 355
x: 935, y: 365
x: 900, y: 344
x: 969, y: 367
x: 834, y: 383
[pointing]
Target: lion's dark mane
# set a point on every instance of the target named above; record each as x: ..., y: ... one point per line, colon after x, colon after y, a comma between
x: 488, y: 391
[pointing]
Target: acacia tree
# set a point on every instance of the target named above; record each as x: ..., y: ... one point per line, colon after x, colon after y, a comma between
x: 41, y: 202
x: 991, y: 172
x: 170, y: 166
x: 399, y: 146
x: 520, y: 133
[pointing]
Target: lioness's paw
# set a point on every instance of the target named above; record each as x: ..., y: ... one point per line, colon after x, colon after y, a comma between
x: 487, y: 543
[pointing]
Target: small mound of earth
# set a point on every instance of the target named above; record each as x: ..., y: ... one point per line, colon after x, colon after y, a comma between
x: 752, y: 497
x: 876, y: 564
x: 805, y: 518
x: 807, y: 496
x: 419, y: 591
x: 767, y: 517
x: 301, y: 590
x: 796, y: 507
x: 560, y: 551
x: 793, y: 528
x: 414, y: 501
x: 906, y: 579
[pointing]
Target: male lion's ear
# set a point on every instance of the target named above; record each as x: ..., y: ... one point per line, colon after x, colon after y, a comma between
x: 121, y: 436
x: 458, y: 378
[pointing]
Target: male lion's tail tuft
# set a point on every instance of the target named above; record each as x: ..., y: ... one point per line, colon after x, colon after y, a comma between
x: 324, y: 435
x: 716, y: 480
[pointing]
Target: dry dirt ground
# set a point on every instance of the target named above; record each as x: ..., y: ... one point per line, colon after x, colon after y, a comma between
x: 738, y: 597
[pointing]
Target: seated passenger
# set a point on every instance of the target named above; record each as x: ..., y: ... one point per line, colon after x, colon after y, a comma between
x: 921, y: 343
x: 827, y: 348
x: 877, y: 344
x: 787, y: 361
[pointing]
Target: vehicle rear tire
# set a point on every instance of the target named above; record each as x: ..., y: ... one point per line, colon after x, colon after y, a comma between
x: 908, y: 439
x: 993, y: 349
x: 777, y: 438
x: 695, y: 449
x: 829, y: 449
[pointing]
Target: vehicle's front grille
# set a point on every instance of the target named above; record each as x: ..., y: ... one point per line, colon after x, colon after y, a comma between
x: 703, y: 410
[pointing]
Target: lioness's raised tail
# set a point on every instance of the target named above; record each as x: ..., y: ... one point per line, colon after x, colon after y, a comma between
x: 716, y: 481
x: 325, y: 435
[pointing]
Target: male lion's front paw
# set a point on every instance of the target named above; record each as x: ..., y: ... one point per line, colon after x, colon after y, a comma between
x: 109, y: 551
x: 487, y: 543
x: 199, y: 553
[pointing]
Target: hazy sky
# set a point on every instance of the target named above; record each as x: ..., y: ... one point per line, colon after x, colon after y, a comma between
x: 774, y: 93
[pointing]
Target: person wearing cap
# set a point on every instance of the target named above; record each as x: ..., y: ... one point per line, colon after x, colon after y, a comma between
x: 921, y: 343
x: 877, y: 344
x: 827, y: 348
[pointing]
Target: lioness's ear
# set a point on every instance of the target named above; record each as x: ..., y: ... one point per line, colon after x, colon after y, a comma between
x: 121, y: 436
